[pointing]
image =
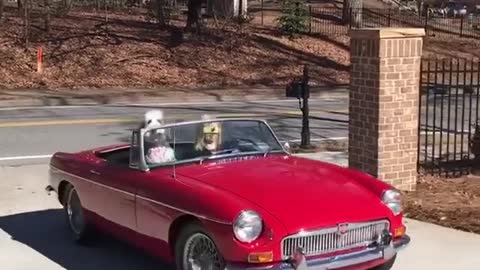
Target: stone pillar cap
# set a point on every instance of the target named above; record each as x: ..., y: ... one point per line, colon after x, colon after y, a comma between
x: 383, y: 33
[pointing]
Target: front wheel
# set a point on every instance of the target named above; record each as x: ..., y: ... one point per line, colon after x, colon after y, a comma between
x: 195, y: 250
x: 387, y: 265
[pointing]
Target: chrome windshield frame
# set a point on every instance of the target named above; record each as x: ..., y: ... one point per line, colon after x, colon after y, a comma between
x: 143, y: 131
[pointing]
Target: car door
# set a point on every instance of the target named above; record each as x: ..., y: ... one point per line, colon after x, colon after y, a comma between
x: 114, y: 193
x: 156, y: 189
x: 153, y: 207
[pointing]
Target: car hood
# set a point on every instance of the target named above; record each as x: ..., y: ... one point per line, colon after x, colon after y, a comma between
x: 300, y: 193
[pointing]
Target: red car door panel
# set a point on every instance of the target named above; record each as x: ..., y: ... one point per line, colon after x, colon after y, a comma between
x: 154, y: 214
x: 113, y: 193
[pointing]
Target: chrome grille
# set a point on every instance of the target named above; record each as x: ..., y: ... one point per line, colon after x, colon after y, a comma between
x: 328, y: 240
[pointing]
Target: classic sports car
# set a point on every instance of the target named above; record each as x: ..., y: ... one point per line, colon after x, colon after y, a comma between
x: 230, y: 197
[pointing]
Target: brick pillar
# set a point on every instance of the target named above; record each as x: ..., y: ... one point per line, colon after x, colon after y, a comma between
x: 384, y: 100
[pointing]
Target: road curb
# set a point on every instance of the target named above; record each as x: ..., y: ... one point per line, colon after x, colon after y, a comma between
x: 334, y: 93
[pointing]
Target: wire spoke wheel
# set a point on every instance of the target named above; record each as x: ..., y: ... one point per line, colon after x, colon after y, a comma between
x: 75, y: 212
x: 200, y: 253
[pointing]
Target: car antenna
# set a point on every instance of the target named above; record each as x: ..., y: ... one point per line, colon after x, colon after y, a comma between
x: 174, y: 151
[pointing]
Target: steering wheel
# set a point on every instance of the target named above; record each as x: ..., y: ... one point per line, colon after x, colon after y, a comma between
x: 224, y: 151
x: 249, y: 141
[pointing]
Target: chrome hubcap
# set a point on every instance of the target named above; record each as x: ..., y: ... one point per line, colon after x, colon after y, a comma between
x: 200, y: 254
x: 74, y: 211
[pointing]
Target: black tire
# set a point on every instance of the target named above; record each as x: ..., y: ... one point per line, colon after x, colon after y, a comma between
x: 386, y: 266
x: 75, y: 216
x: 210, y: 259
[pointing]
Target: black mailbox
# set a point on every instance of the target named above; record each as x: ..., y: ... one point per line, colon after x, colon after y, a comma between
x: 297, y: 89
x: 294, y: 89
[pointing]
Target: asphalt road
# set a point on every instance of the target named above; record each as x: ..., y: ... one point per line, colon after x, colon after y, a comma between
x: 42, y: 131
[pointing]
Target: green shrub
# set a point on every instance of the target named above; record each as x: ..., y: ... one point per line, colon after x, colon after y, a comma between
x: 294, y: 17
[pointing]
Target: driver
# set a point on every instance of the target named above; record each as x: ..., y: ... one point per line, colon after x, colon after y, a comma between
x: 209, y: 138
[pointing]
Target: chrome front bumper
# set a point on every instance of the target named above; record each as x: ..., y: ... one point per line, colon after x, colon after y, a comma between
x: 351, y: 259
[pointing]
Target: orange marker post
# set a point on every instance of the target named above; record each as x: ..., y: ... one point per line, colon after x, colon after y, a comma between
x: 39, y: 59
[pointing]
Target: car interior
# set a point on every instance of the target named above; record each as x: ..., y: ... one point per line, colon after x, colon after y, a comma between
x: 183, y: 150
x: 118, y: 157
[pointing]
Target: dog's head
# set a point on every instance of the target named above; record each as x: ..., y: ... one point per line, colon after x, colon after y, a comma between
x: 153, y: 119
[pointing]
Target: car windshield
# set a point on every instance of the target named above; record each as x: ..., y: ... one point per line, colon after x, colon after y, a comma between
x: 208, y: 139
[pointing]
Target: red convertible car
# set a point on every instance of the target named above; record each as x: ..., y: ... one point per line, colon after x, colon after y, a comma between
x: 226, y: 194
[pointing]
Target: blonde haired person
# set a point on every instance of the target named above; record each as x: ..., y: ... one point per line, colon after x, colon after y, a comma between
x: 209, y: 137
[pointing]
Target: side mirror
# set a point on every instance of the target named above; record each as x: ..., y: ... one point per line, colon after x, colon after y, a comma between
x: 137, y: 158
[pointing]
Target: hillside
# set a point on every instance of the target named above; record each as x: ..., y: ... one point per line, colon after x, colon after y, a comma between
x: 82, y: 50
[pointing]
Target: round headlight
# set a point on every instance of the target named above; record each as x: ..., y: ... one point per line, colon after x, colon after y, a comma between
x: 393, y: 200
x: 248, y: 226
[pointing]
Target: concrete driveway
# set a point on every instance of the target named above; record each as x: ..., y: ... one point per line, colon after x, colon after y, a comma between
x: 33, y: 235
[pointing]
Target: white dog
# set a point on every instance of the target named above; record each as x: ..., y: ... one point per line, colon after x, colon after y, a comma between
x: 153, y: 119
x: 157, y: 148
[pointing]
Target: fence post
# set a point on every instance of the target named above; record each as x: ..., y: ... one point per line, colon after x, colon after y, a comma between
x: 461, y: 26
x: 310, y: 19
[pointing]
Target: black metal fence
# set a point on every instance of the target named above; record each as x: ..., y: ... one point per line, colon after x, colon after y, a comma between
x: 449, y: 113
x: 330, y: 21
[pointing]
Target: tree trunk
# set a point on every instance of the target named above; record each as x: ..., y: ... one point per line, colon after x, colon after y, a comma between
x: 47, y: 15
x: 20, y: 6
x: 159, y: 6
x: 210, y: 4
x: 1, y: 9
x: 194, y: 14
x: 421, y: 9
x: 26, y: 20
x: 346, y: 11
x: 352, y: 12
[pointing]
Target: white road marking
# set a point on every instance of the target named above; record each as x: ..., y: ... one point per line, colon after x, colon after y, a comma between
x: 24, y: 157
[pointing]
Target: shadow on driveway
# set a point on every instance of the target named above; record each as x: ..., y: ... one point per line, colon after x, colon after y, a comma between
x: 46, y: 232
